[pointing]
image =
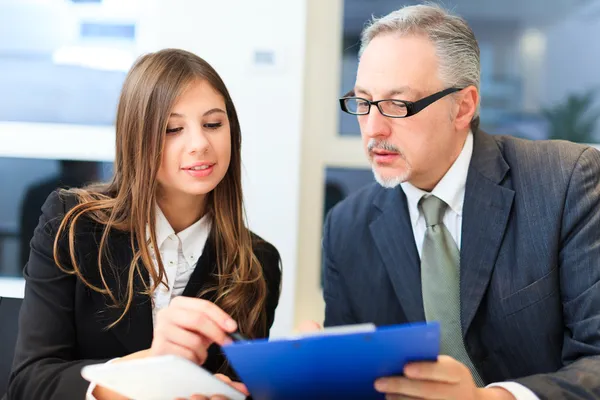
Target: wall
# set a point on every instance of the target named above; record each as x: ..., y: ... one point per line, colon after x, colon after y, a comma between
x: 229, y: 34
x: 319, y: 126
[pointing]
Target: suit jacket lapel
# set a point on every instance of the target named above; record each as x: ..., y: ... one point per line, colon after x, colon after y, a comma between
x: 393, y: 235
x: 135, y: 330
x: 204, y: 277
x: 486, y: 210
x: 204, y: 273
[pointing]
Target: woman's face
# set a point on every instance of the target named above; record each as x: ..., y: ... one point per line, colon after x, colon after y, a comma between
x: 197, y: 148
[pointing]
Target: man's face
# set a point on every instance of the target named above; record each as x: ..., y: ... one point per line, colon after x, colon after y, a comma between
x: 417, y: 148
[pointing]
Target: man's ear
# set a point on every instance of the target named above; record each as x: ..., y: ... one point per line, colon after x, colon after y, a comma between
x: 466, y: 105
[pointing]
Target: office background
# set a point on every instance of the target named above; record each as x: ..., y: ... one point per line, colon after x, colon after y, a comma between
x: 285, y: 62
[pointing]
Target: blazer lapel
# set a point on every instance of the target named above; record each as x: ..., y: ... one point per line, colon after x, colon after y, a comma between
x: 204, y: 273
x: 135, y: 330
x: 486, y: 210
x: 393, y: 235
x: 205, y: 277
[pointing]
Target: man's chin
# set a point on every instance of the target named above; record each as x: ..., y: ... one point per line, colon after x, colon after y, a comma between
x: 389, y: 181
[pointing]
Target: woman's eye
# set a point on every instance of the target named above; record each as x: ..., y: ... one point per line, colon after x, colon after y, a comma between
x: 213, y: 126
x: 173, y: 130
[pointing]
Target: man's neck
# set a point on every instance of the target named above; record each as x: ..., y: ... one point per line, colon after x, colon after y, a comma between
x: 429, y: 182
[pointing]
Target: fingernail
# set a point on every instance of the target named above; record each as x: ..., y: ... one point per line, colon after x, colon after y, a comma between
x: 380, y: 385
x: 410, y: 370
x: 230, y: 324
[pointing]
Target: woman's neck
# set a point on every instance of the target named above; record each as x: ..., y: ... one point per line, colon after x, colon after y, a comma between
x: 182, y: 211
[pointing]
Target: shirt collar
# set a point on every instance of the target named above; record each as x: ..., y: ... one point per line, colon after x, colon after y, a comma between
x: 450, y: 189
x: 192, y: 238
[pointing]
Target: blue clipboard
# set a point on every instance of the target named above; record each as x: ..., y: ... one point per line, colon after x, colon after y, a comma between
x: 339, y: 366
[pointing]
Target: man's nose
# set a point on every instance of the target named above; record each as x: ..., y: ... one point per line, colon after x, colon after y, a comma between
x: 375, y: 124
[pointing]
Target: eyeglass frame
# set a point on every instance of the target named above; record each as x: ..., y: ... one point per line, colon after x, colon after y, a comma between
x: 412, y: 107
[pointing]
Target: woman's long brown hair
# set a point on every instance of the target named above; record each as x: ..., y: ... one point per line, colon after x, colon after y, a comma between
x: 127, y: 202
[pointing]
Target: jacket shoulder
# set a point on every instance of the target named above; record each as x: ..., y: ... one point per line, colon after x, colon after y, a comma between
x: 540, y: 153
x: 269, y: 259
x: 357, y: 205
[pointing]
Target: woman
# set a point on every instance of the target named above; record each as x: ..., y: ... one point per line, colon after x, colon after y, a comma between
x: 157, y: 261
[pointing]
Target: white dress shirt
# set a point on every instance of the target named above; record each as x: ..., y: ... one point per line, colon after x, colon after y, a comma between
x: 451, y: 189
x: 179, y: 253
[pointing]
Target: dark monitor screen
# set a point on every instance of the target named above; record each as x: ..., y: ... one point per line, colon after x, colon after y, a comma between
x: 26, y: 183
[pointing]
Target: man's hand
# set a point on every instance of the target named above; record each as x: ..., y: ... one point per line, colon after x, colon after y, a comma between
x: 446, y: 379
x: 309, y: 326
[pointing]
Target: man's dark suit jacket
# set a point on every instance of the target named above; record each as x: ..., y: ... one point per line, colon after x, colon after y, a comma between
x: 62, y: 322
x: 529, y: 264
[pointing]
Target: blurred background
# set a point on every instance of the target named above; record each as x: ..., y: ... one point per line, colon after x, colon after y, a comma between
x: 62, y: 63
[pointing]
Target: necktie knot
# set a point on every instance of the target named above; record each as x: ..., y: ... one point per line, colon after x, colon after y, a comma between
x: 433, y: 209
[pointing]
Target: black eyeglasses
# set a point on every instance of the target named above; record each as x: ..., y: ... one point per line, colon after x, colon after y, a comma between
x: 390, y: 107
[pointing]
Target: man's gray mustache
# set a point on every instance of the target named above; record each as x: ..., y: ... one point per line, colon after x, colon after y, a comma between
x: 382, y: 145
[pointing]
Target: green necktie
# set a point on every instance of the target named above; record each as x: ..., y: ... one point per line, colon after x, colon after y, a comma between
x: 440, y: 280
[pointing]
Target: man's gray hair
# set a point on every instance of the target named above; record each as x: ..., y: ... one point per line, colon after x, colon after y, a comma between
x: 454, y: 41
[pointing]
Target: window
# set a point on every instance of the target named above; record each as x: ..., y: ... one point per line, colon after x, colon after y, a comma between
x: 24, y: 191
x: 530, y: 84
x: 540, y: 77
x: 63, y: 62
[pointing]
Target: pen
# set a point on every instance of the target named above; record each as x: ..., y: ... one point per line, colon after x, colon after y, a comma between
x: 237, y: 336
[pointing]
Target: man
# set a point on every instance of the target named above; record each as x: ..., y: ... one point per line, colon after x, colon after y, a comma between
x: 497, y: 238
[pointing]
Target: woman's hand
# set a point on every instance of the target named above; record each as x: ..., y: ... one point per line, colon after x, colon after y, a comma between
x: 240, y: 387
x: 102, y: 393
x: 188, y: 327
